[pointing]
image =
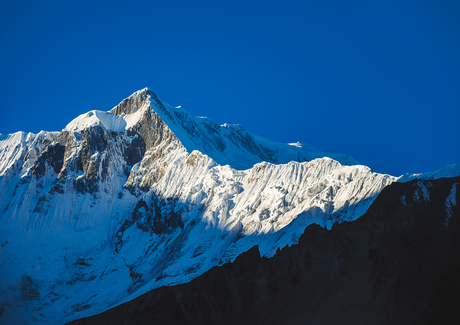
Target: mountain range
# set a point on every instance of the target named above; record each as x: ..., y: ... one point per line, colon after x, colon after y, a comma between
x: 146, y: 197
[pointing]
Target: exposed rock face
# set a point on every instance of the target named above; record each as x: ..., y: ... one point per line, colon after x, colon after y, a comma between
x: 134, y: 103
x: 397, y: 264
x: 151, y: 128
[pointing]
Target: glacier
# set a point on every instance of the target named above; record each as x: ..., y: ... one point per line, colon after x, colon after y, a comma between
x: 122, y: 202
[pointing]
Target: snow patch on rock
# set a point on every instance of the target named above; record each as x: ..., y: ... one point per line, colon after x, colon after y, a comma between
x: 447, y: 171
x: 451, y: 202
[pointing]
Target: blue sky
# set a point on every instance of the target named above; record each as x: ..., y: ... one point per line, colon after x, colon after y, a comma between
x: 379, y: 80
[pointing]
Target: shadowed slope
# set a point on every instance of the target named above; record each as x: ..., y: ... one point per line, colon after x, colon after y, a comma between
x: 397, y: 264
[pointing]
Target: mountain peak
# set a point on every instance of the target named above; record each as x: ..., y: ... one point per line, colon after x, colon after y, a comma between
x: 121, y: 117
x: 228, y: 144
x: 134, y: 102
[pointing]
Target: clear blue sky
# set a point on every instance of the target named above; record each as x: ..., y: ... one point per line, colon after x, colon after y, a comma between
x: 379, y: 80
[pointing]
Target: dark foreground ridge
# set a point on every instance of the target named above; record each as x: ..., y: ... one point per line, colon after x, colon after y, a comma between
x: 397, y: 264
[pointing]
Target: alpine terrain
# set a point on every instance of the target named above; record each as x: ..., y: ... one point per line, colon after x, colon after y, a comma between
x: 144, y: 196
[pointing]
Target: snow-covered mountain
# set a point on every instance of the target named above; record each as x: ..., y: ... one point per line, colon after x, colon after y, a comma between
x: 121, y: 202
x: 397, y: 264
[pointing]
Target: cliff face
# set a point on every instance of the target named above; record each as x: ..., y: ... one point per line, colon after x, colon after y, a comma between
x: 397, y: 264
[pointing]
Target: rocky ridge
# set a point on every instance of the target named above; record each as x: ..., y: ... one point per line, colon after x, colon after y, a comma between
x: 397, y: 264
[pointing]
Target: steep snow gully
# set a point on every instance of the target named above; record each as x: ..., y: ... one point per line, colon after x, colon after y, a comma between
x: 122, y: 202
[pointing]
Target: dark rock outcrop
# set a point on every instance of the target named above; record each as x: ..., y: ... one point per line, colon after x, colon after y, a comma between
x: 397, y: 264
x: 88, y: 153
x: 52, y: 158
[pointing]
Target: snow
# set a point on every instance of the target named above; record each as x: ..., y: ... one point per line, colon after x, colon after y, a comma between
x: 227, y: 211
x: 97, y: 118
x: 296, y: 144
x: 403, y: 200
x: 15, y: 147
x: 107, y: 120
x: 227, y: 144
x: 422, y: 192
x: 231, y: 144
x: 452, y: 170
x: 11, y: 147
x: 451, y: 202
x: 87, y: 252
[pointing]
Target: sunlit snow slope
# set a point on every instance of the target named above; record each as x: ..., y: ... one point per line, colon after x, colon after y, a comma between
x: 125, y: 201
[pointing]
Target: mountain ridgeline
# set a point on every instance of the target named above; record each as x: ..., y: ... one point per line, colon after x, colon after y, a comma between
x: 397, y: 264
x: 144, y: 196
